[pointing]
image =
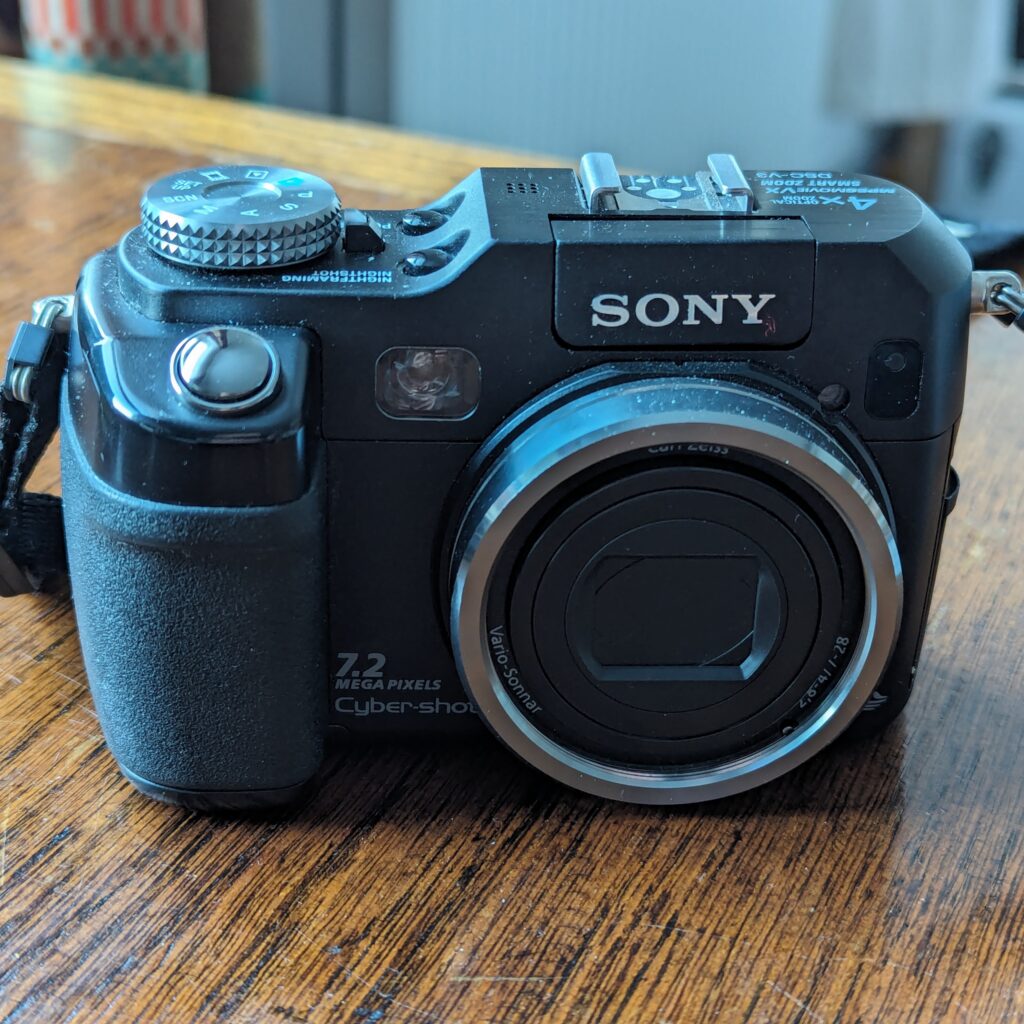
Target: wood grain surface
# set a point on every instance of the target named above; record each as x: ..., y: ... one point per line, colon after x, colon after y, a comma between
x: 884, y: 881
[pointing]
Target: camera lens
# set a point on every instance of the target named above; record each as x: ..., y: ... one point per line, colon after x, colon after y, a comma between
x: 670, y: 589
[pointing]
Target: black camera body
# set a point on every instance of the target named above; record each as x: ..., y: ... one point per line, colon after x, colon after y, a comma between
x: 649, y: 474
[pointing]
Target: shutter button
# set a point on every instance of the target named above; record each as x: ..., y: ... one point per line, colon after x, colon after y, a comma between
x: 225, y: 370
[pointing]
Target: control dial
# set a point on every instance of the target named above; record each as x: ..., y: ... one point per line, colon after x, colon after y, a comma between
x: 240, y: 217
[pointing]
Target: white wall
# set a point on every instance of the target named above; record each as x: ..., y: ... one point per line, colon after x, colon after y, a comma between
x: 659, y: 83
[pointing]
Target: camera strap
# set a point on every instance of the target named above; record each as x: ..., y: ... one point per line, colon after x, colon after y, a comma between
x: 32, y: 551
x: 998, y: 293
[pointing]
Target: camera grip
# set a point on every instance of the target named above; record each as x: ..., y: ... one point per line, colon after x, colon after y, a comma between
x: 203, y: 634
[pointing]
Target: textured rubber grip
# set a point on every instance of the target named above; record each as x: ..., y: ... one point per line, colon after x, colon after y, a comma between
x: 203, y: 632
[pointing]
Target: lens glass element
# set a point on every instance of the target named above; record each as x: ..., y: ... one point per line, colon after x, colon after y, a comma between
x: 671, y: 610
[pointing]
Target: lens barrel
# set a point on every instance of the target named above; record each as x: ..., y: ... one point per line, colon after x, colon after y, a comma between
x: 670, y: 589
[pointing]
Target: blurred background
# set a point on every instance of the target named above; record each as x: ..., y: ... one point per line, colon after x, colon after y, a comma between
x: 930, y: 92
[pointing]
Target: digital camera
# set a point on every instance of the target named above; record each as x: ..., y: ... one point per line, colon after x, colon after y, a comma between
x: 647, y: 474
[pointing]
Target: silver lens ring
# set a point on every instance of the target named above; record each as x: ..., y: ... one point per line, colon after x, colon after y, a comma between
x: 651, y: 414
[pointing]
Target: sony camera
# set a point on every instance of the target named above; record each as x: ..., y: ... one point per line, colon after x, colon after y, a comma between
x: 647, y: 474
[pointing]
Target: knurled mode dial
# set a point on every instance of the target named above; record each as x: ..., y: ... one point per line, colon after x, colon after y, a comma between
x: 240, y: 217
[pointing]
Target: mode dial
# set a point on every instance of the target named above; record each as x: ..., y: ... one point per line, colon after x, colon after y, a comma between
x: 240, y: 217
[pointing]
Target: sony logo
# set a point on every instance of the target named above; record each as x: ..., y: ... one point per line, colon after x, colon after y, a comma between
x: 659, y: 310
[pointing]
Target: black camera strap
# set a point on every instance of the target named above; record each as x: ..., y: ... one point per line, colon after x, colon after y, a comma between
x: 32, y: 551
x: 996, y: 293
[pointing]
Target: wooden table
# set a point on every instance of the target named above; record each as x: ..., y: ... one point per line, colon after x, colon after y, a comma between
x: 881, y: 882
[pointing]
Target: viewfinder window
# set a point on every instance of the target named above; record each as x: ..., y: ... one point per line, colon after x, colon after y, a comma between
x: 428, y: 383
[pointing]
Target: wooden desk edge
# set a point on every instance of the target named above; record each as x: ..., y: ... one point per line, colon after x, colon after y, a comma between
x: 374, y: 157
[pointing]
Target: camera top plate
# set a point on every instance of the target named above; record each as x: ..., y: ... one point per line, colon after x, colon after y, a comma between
x: 236, y: 224
x: 810, y: 270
